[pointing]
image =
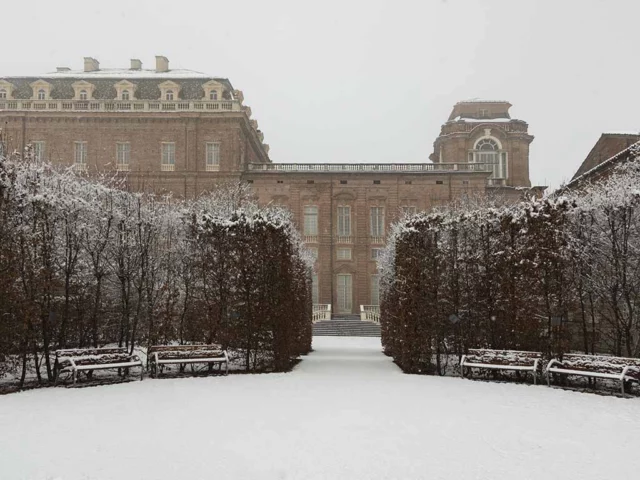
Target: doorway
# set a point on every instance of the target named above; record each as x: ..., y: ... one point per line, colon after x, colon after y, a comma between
x: 345, y: 293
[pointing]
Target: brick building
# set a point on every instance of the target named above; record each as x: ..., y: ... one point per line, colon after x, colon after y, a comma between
x: 184, y: 131
x: 611, y: 150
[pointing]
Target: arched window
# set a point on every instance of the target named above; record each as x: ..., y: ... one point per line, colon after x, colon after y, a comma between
x: 3, y: 93
x: 42, y: 95
x: 125, y: 95
x: 83, y: 94
x: 213, y: 95
x: 169, y: 95
x: 487, y: 151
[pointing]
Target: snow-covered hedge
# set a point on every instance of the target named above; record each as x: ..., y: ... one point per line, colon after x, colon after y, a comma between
x: 84, y: 263
x: 496, y: 277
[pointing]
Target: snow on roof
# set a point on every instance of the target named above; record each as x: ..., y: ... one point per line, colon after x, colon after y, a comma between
x: 629, y: 150
x: 123, y: 73
x: 479, y: 100
x: 484, y: 120
x: 636, y: 133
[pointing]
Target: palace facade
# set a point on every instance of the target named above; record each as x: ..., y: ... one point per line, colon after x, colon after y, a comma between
x: 182, y: 131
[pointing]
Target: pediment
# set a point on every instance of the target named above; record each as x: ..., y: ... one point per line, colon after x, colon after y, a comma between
x: 212, y: 84
x: 281, y: 199
x: 40, y: 83
x: 169, y: 84
x: 125, y: 84
x: 377, y: 198
x: 345, y: 268
x: 344, y: 195
x: 82, y: 84
x: 7, y: 85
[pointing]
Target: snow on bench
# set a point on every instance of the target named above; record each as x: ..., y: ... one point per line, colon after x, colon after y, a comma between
x: 160, y: 355
x: 596, y: 366
x: 75, y: 360
x: 501, y: 360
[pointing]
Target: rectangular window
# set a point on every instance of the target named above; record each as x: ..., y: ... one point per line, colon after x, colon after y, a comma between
x: 315, y: 289
x: 377, y: 221
x: 375, y: 253
x: 123, y: 155
x: 168, y: 156
x: 343, y: 253
x: 375, y: 289
x: 38, y: 151
x: 344, y: 221
x: 80, y: 155
x: 314, y: 252
x: 311, y: 220
x: 213, y: 156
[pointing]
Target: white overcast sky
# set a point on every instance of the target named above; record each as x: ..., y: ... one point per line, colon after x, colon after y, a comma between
x: 368, y: 81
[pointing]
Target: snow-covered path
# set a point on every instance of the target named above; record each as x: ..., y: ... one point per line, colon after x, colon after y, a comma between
x: 346, y: 412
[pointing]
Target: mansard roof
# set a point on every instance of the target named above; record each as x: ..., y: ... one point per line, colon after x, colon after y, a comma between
x: 147, y: 83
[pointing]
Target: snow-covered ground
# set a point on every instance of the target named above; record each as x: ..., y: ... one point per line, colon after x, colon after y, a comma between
x: 346, y: 412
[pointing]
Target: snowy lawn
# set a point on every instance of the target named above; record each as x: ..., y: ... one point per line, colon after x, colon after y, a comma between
x: 345, y: 412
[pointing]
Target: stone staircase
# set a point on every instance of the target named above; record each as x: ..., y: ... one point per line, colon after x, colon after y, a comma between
x: 346, y: 326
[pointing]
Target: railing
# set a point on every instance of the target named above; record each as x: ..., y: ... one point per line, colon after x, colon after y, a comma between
x: 376, y: 240
x: 321, y: 311
x: 310, y: 238
x: 80, y: 167
x: 370, y: 167
x: 212, y: 168
x: 122, y: 167
x: 513, y: 125
x: 344, y: 239
x: 121, y: 105
x: 370, y: 313
x: 167, y: 167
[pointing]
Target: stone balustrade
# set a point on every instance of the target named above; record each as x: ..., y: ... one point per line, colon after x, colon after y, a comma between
x: 120, y: 105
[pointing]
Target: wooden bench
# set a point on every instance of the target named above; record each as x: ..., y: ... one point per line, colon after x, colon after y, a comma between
x: 596, y: 366
x: 501, y: 360
x: 88, y: 359
x: 160, y: 355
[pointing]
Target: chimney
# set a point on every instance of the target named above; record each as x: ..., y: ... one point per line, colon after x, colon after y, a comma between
x: 136, y: 64
x: 162, y: 64
x: 63, y: 69
x: 91, y: 64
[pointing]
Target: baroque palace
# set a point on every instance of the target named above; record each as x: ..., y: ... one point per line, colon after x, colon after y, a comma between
x: 182, y: 131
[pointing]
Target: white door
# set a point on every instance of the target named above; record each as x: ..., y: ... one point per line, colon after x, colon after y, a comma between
x: 344, y: 293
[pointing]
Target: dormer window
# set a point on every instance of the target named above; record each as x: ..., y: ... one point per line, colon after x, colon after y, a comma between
x: 212, y: 90
x: 483, y: 113
x: 125, y: 90
x: 83, y: 90
x: 5, y: 89
x: 41, y: 90
x: 169, y: 91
